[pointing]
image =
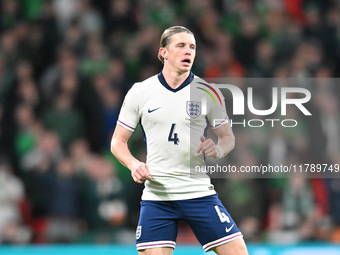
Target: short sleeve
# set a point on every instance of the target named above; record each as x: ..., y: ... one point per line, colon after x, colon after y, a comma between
x: 217, y: 113
x: 129, y: 113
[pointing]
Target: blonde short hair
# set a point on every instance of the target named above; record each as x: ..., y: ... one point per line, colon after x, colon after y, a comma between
x: 166, y: 37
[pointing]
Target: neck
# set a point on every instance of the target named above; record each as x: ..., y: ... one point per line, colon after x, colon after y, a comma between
x: 174, y: 79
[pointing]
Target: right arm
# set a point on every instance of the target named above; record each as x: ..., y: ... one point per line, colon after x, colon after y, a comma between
x: 119, y: 148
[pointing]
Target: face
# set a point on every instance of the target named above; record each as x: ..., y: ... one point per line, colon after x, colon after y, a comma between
x: 179, y: 55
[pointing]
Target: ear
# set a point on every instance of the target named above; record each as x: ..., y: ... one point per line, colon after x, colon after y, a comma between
x: 163, y: 52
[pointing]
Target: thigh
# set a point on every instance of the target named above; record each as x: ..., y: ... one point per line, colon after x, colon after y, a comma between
x: 157, y: 226
x: 210, y: 222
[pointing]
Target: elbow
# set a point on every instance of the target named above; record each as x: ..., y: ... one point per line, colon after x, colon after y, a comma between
x: 113, y: 146
x: 116, y: 146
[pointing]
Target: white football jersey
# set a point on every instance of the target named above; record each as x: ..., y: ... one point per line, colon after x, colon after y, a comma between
x: 173, y: 121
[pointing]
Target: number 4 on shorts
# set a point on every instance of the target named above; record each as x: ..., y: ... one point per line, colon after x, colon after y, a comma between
x: 221, y: 215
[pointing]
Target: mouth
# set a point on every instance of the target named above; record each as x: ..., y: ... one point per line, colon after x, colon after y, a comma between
x: 186, y: 61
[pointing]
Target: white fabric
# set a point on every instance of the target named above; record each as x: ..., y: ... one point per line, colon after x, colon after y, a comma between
x: 159, y: 109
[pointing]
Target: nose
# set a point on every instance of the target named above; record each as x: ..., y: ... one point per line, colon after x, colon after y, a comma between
x: 188, y: 50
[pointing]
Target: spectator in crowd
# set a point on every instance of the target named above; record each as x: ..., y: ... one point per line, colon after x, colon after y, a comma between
x: 64, y: 119
x: 12, y: 229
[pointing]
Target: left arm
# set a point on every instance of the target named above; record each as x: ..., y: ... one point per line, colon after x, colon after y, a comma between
x: 225, y: 144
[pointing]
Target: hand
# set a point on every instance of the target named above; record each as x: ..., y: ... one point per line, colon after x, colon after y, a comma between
x: 141, y: 173
x: 208, y: 147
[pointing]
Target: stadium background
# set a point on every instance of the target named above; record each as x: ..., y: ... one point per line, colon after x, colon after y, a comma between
x: 65, y: 66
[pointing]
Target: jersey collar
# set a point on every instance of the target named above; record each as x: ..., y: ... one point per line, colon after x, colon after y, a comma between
x: 183, y: 85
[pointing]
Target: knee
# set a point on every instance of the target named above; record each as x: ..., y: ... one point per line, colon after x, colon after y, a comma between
x: 235, y: 247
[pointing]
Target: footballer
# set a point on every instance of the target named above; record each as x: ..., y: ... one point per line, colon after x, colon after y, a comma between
x: 174, y: 108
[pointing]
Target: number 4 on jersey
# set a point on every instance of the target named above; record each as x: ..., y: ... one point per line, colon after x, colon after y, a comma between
x: 173, y: 137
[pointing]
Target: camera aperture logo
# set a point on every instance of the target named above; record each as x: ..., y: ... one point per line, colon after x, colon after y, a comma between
x: 212, y: 93
x: 281, y: 98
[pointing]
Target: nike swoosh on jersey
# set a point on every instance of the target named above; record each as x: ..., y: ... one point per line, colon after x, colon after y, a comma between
x: 150, y: 111
x: 228, y: 229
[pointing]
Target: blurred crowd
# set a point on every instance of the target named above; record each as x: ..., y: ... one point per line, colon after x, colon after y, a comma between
x: 65, y: 66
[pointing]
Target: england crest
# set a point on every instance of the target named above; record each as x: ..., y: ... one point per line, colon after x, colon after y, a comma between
x: 193, y: 109
x: 138, y: 232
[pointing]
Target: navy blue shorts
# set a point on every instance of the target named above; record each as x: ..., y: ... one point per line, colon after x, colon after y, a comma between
x: 207, y: 217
